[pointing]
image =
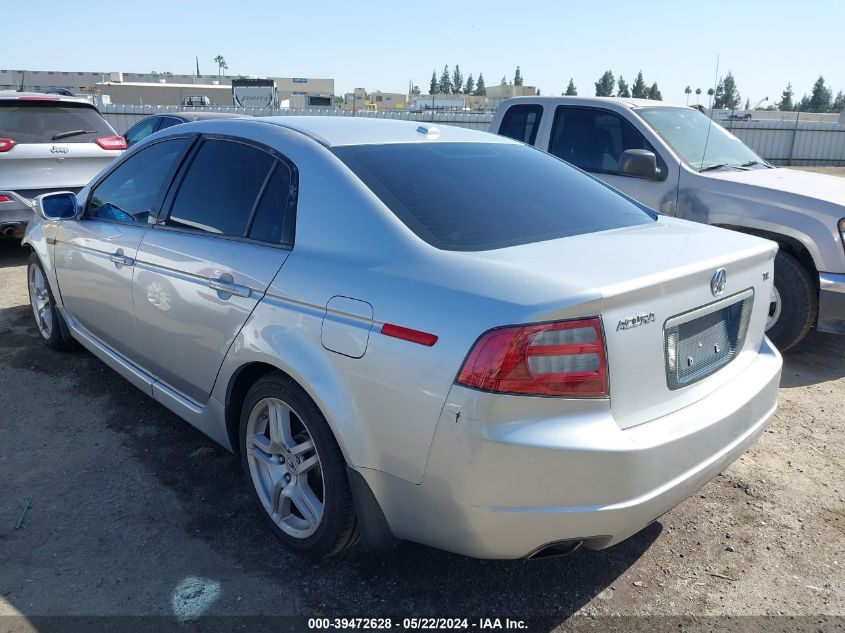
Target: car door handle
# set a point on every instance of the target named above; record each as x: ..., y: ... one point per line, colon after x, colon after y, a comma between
x: 229, y: 288
x: 121, y: 259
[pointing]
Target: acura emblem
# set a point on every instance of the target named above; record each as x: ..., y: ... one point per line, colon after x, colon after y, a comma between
x: 717, y: 284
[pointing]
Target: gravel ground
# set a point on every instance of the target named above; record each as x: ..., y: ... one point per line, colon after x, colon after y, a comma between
x: 133, y: 512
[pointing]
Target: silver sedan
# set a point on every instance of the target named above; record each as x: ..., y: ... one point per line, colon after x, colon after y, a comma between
x: 415, y: 333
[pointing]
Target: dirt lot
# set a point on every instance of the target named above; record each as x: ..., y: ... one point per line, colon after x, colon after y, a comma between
x: 134, y: 512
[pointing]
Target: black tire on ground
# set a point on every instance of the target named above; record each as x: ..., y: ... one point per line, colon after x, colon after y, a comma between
x: 58, y: 339
x: 338, y: 528
x: 799, y: 302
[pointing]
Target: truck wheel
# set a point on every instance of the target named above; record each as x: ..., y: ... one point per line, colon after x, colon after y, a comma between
x: 794, y: 303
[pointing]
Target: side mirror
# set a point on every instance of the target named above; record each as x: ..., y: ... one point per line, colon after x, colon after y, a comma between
x: 61, y: 205
x: 639, y: 163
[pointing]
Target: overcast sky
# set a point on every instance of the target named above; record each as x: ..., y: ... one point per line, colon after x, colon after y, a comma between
x: 382, y: 45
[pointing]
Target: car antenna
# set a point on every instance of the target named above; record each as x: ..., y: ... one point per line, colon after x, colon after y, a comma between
x: 707, y: 139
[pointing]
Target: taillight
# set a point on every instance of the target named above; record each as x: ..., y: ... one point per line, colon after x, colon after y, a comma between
x: 112, y: 142
x: 563, y: 358
x: 6, y: 144
x: 4, y: 198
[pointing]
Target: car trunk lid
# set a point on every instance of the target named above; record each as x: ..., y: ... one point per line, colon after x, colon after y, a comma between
x: 652, y: 283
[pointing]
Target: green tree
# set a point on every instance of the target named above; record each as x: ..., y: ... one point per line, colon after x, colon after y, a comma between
x: 803, y: 105
x: 504, y: 81
x: 727, y: 96
x: 571, y: 90
x: 434, y: 86
x: 604, y: 86
x: 445, y: 86
x: 839, y: 102
x: 469, y: 87
x: 623, y: 90
x: 748, y: 103
x: 480, y: 87
x: 457, y: 80
x: 821, y: 97
x: 639, y: 90
x: 710, y: 93
x: 221, y: 65
x: 654, y: 93
x: 697, y: 95
x: 517, y: 77
x: 785, y: 104
x: 687, y: 92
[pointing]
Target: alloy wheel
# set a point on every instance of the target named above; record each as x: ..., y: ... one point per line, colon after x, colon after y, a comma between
x: 39, y: 298
x: 775, y: 308
x: 285, y: 467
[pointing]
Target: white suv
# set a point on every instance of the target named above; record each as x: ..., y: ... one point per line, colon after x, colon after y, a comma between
x: 48, y: 143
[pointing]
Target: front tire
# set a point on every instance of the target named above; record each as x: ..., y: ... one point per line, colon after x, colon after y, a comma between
x: 297, y: 471
x: 48, y: 319
x: 794, y: 303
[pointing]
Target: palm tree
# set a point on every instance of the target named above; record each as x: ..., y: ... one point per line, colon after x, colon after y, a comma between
x: 221, y: 65
x: 687, y: 92
x: 697, y: 95
x: 710, y: 93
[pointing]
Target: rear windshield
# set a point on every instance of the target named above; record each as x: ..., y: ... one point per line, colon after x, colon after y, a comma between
x: 483, y: 196
x: 35, y: 122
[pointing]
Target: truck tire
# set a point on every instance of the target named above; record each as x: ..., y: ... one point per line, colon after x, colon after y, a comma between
x: 794, y: 305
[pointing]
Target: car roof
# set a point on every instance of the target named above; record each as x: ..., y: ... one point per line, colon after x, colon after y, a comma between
x: 600, y: 101
x: 12, y: 95
x: 337, y: 131
x: 201, y: 116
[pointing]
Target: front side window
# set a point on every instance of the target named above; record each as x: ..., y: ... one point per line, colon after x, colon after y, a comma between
x: 700, y: 142
x: 220, y: 188
x: 593, y: 139
x: 134, y: 191
x: 521, y: 122
x: 482, y: 196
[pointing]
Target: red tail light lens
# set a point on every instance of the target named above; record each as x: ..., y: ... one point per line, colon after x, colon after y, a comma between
x: 4, y: 198
x: 112, y: 142
x: 564, y: 358
x: 6, y: 144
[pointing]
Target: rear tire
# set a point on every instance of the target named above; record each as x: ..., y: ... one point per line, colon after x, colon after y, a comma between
x: 797, y: 302
x: 297, y: 471
x: 48, y: 319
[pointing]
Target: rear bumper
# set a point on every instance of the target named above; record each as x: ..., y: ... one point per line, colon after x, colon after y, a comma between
x: 507, y: 488
x: 831, y: 303
x: 15, y: 214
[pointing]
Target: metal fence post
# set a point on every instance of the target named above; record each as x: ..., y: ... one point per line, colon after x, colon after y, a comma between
x: 794, y: 136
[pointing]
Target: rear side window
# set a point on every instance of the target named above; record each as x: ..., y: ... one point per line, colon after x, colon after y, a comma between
x: 34, y: 122
x: 482, y: 196
x: 140, y: 130
x: 521, y: 122
x: 135, y: 189
x: 221, y: 187
x: 273, y: 219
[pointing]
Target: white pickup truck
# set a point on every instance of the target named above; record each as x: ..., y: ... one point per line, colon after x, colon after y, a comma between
x: 675, y: 160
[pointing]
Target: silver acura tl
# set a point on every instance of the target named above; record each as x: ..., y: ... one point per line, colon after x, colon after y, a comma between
x: 407, y: 332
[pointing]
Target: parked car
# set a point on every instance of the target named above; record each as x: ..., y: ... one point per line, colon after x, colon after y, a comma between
x: 196, y: 100
x: 48, y: 143
x: 407, y: 332
x: 676, y: 161
x: 153, y: 123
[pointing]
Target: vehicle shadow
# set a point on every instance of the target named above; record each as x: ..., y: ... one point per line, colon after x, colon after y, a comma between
x: 217, y: 509
x: 12, y: 253
x: 818, y: 358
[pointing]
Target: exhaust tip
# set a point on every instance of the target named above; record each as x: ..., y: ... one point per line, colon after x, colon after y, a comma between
x: 555, y: 549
